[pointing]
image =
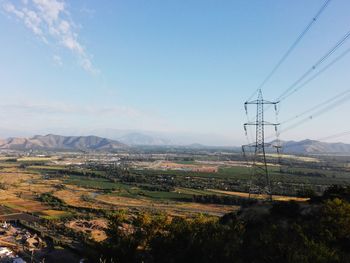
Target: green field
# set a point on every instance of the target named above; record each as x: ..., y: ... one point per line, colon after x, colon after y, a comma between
x: 223, y: 173
x: 91, y: 182
x: 160, y: 184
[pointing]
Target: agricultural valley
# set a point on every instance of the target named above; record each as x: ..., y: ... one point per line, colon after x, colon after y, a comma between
x: 63, y: 201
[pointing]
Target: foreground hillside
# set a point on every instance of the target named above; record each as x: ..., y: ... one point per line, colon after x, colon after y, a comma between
x: 185, y: 210
x: 314, y: 232
x: 58, y: 142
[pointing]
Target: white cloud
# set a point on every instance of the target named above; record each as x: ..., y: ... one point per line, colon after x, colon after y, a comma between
x: 10, y: 8
x: 33, y: 21
x: 51, y: 22
x: 50, y: 9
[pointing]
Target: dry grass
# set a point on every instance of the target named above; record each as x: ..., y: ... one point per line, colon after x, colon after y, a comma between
x: 274, y: 197
x: 124, y: 202
x: 22, y: 205
x: 170, y: 207
x: 72, y: 196
x: 18, y: 192
x: 55, y: 213
x: 212, y: 209
x: 294, y: 157
x: 36, y: 159
x: 10, y: 176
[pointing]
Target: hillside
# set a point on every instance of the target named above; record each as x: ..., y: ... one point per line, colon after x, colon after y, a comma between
x: 58, y: 142
x: 312, y: 146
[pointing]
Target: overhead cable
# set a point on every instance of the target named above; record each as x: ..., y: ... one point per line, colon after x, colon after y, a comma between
x: 292, y: 47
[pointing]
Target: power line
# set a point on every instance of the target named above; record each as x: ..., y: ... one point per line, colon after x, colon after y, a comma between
x: 335, y: 102
x: 317, y: 74
x: 285, y: 94
x: 337, y: 135
x: 318, y: 113
x: 308, y: 81
x: 322, y: 104
x: 292, y: 47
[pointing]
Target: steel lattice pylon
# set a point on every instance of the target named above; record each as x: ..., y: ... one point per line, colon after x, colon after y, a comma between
x: 260, y: 184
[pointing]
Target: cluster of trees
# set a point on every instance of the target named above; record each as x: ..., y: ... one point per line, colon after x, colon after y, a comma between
x: 160, y: 188
x: 185, y: 179
x: 281, y: 232
x: 222, y: 199
x: 303, y: 173
x: 306, y: 192
x: 57, y: 203
x: 51, y: 200
x: 336, y: 191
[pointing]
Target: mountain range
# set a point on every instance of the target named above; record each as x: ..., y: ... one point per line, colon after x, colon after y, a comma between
x: 95, y: 143
x: 315, y: 147
x: 58, y: 142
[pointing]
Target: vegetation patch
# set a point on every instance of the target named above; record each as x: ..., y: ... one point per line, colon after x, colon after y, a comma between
x: 54, y: 214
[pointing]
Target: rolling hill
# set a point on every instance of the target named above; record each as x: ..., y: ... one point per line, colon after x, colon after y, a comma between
x: 58, y: 142
x: 315, y: 147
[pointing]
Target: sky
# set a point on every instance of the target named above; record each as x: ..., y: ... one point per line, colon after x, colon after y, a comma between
x: 181, y: 67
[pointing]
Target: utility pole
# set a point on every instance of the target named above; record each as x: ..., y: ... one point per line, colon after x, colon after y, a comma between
x: 260, y: 185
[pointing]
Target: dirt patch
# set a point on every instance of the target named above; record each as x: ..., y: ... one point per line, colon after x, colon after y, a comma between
x: 95, y: 228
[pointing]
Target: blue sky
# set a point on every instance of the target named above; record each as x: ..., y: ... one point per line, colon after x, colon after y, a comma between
x: 165, y: 66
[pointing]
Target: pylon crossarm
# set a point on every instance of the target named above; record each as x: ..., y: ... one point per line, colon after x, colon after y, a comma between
x: 253, y: 145
x: 261, y: 102
x: 252, y: 123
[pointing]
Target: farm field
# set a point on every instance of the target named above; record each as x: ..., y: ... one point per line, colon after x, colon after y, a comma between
x: 81, y: 191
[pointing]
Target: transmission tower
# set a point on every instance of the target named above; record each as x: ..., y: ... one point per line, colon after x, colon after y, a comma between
x: 260, y: 185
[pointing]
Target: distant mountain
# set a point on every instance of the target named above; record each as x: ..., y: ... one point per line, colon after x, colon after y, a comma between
x: 312, y: 146
x: 143, y: 139
x: 95, y: 143
x: 58, y: 142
